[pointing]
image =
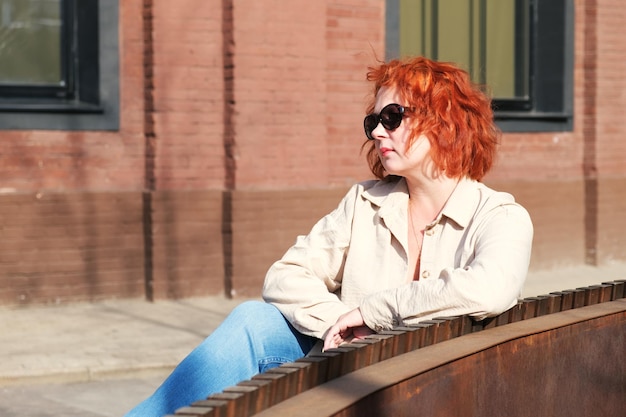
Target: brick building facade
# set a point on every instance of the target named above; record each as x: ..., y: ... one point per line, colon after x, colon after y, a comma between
x: 240, y: 125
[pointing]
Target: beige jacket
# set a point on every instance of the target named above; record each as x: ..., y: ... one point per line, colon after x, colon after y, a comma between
x: 474, y: 260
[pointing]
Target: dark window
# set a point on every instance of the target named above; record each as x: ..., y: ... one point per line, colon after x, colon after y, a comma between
x: 59, y: 65
x: 520, y: 50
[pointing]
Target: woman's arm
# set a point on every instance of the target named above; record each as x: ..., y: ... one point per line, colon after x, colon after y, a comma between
x: 304, y: 284
x: 487, y: 286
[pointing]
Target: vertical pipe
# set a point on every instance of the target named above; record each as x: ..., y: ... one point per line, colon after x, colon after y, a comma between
x: 590, y: 169
x: 150, y: 146
x: 230, y: 166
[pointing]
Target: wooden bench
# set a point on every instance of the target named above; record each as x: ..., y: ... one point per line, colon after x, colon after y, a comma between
x: 505, y: 365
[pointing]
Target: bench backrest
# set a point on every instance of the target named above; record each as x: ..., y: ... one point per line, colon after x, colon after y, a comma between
x: 402, y: 370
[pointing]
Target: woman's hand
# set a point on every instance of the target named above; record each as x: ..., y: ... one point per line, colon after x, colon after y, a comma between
x: 348, y: 327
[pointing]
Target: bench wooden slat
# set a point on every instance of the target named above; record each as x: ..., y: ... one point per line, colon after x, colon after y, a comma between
x: 333, y: 367
x: 368, y: 350
x: 386, y: 345
x: 196, y: 411
x: 566, y: 299
x: 213, y: 408
x: 617, y: 289
x: 305, y: 377
x: 318, y: 369
x: 277, y: 390
x: 399, y: 340
x: 262, y: 392
x: 249, y: 399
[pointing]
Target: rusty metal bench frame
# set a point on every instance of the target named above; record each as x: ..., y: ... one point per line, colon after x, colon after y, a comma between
x: 371, y: 376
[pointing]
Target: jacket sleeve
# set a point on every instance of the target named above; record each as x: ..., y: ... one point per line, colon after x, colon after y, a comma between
x: 488, y: 285
x: 304, y: 284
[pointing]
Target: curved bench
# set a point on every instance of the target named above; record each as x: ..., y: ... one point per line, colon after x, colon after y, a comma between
x: 560, y: 354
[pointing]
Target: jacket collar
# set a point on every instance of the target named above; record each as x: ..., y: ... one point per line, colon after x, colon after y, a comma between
x: 392, y: 197
x: 462, y: 203
x: 387, y: 192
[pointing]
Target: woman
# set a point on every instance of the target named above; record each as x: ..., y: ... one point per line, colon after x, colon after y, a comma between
x: 424, y: 239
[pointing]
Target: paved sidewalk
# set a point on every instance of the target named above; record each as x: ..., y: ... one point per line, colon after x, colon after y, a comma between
x: 129, y: 338
x: 93, y: 341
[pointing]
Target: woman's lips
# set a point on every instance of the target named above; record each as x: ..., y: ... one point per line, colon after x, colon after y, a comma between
x: 385, y: 151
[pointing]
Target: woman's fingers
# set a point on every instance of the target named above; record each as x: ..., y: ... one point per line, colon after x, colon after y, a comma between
x: 344, y: 329
x: 334, y: 337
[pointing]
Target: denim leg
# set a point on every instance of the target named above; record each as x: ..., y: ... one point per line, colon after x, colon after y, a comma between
x: 253, y: 338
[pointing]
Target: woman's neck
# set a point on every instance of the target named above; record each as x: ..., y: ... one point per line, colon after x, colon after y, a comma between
x: 427, y: 197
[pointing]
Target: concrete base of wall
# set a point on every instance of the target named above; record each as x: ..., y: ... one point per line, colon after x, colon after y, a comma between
x: 70, y: 246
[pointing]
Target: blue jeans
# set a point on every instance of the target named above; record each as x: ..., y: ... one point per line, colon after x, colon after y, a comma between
x: 253, y: 338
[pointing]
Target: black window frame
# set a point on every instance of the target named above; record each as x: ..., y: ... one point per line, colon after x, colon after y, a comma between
x: 89, y: 99
x: 549, y: 106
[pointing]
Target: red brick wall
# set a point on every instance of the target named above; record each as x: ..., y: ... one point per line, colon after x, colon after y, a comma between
x: 240, y: 125
x: 299, y: 85
x: 610, y: 131
x: 59, y: 247
x: 186, y: 257
x: 184, y: 228
x: 299, y: 92
x: 188, y: 94
x: 70, y: 210
x: 610, y: 99
x: 353, y: 44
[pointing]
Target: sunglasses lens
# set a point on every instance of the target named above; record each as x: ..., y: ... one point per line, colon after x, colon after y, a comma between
x: 390, y: 117
x: 370, y: 123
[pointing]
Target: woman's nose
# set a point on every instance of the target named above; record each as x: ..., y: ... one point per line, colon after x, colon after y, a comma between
x: 379, y: 131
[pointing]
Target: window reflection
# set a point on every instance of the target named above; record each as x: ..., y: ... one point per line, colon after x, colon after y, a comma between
x: 489, y: 38
x: 30, y: 42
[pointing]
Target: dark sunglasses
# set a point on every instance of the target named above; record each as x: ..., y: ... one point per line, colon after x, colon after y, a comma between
x: 390, y: 117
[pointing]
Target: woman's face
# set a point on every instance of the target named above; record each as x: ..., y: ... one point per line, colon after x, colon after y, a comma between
x: 391, y: 144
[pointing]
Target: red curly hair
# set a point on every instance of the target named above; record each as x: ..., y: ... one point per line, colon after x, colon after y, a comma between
x: 446, y: 107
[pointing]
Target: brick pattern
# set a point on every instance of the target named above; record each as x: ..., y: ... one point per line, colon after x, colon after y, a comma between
x: 280, y: 94
x: 611, y: 220
x: 558, y: 219
x: 352, y: 45
x: 610, y: 100
x: 264, y: 100
x: 266, y: 224
x: 62, y: 247
x: 188, y: 94
x: 187, y: 245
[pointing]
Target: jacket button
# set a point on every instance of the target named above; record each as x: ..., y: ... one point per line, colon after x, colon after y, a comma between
x: 425, y: 274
